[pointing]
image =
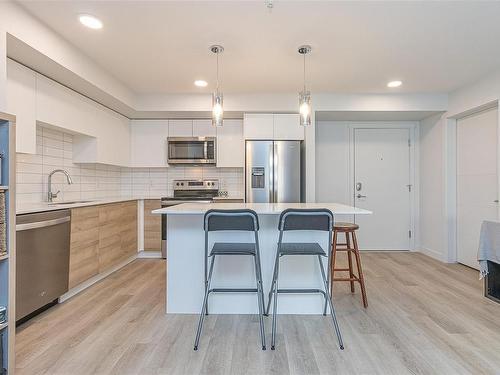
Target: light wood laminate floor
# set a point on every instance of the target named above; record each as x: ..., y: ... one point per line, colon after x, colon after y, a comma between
x: 424, y: 317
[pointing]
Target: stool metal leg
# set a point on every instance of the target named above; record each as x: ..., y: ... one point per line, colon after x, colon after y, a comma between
x: 260, y: 296
x: 332, y: 310
x: 271, y: 290
x: 275, y: 304
x: 203, y: 309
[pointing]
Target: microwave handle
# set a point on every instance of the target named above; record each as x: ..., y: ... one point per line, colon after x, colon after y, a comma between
x: 205, y: 149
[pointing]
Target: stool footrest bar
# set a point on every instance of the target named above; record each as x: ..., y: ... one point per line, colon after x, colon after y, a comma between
x: 233, y: 290
x: 300, y: 291
x: 346, y: 279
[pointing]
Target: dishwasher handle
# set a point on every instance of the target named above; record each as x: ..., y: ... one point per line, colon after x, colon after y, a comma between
x: 42, y: 224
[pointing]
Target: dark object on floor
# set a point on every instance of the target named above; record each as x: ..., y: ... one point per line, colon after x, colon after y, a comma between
x: 492, y: 282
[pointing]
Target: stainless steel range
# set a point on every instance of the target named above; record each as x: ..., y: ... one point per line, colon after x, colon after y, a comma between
x: 187, y: 191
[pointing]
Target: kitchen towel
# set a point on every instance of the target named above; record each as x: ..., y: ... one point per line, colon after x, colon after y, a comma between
x: 489, y: 246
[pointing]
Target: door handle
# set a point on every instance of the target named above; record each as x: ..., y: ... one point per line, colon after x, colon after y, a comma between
x: 495, y: 201
x: 361, y: 196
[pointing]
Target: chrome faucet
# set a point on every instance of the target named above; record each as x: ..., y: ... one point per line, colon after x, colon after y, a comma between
x: 50, y: 194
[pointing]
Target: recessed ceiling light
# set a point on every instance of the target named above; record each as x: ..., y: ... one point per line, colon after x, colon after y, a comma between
x: 90, y: 21
x: 200, y: 83
x: 393, y: 84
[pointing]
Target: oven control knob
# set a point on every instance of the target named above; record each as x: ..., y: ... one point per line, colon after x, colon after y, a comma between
x: 182, y: 183
x: 177, y: 184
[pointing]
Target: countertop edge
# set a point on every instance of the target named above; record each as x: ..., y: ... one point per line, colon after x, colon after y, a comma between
x: 265, y: 209
x: 44, y: 207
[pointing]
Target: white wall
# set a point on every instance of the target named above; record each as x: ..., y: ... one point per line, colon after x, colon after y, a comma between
x: 332, y: 162
x: 433, y: 221
x: 475, y: 95
x: 438, y: 167
x: 19, y: 23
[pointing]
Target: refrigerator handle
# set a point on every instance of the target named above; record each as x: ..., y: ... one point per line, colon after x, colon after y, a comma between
x: 271, y: 173
x: 275, y: 172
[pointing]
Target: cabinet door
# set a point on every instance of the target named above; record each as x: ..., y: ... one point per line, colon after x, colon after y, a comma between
x: 84, y: 249
x: 287, y: 127
x: 113, y: 139
x: 203, y: 128
x: 148, y: 140
x: 258, y: 126
x: 231, y: 145
x: 152, y: 226
x: 21, y: 102
x: 128, y: 230
x: 180, y: 128
x: 110, y: 235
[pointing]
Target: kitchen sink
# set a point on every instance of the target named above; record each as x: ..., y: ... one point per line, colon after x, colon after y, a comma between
x: 68, y: 202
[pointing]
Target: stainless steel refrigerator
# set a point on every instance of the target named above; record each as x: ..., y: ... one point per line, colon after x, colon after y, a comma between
x: 274, y: 171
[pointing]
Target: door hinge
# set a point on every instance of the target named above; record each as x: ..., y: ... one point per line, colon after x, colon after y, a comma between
x: 409, y: 142
x: 409, y: 187
x: 409, y: 234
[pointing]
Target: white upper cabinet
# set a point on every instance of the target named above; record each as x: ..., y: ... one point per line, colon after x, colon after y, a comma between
x: 204, y: 128
x: 21, y: 102
x: 103, y: 135
x: 148, y: 143
x: 180, y: 128
x: 113, y: 139
x: 272, y: 126
x: 62, y: 107
x: 231, y: 145
x: 287, y: 127
x: 258, y: 126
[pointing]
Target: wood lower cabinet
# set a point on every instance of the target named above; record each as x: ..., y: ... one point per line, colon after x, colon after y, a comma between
x: 84, y: 260
x: 129, y: 229
x: 152, y: 225
x: 101, y: 237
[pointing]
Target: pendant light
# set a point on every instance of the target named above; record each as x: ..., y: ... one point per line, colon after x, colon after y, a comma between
x: 217, y: 97
x: 305, y: 95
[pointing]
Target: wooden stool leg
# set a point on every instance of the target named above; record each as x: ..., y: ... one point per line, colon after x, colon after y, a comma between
x: 360, y: 270
x: 349, y: 259
x: 334, y: 254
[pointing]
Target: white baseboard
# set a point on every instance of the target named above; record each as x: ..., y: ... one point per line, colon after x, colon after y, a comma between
x: 149, y: 254
x: 87, y: 283
x: 433, y: 254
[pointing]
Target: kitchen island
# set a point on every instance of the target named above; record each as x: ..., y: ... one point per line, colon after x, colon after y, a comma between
x: 185, y: 263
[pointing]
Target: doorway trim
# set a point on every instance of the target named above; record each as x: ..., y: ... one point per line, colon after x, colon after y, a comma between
x: 451, y: 182
x: 413, y: 128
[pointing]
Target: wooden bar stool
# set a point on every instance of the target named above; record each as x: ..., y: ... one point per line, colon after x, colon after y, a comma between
x: 350, y: 233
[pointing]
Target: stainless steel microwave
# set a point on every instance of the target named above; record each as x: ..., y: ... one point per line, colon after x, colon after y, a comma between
x: 191, y: 150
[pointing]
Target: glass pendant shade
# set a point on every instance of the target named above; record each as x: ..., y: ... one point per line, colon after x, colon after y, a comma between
x: 305, y: 108
x: 217, y: 109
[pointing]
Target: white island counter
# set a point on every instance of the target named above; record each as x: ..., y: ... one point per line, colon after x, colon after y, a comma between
x: 185, y: 260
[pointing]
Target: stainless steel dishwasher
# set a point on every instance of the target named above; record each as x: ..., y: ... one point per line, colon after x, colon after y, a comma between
x: 42, y: 260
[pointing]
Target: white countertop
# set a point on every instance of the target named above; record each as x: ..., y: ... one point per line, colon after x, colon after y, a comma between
x: 32, y: 207
x: 260, y: 208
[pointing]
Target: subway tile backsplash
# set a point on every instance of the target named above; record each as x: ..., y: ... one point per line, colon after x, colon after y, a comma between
x: 95, y: 181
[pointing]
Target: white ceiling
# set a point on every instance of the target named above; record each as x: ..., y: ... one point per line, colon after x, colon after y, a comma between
x: 162, y: 46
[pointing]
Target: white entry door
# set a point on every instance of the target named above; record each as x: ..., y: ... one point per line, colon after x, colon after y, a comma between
x: 382, y: 185
x: 477, y: 180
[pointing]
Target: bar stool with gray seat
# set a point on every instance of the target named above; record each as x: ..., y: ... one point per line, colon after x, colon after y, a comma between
x: 310, y: 220
x: 232, y: 220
